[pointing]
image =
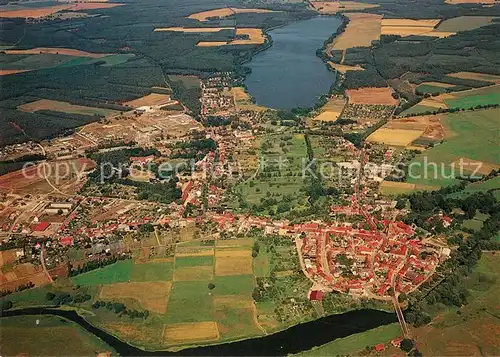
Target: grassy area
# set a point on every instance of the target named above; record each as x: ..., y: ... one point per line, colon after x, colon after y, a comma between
x: 157, y: 271
x: 418, y: 109
x: 353, y: 344
x: 473, y: 101
x: 474, y: 135
x: 48, y: 336
x: 261, y: 265
x: 183, y: 262
x: 427, y: 88
x: 118, y: 272
x: 482, y: 186
x: 234, y: 285
x: 469, y: 330
x: 190, y: 301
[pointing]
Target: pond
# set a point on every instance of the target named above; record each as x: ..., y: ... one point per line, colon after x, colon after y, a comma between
x: 289, y: 74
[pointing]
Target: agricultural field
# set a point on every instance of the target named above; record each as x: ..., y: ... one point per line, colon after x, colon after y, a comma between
x: 332, y: 7
x: 118, y: 272
x: 414, y: 132
x: 355, y: 344
x: 48, y: 336
x: 464, y: 23
x: 192, y: 29
x: 342, y: 68
x: 43, y: 11
x: 331, y: 110
x: 64, y: 107
x: 225, y: 12
x: 371, y: 96
x: 434, y: 87
x: 471, y: 329
x: 362, y: 29
x: 476, y: 76
x: 408, y: 27
x: 471, y: 135
x: 152, y: 99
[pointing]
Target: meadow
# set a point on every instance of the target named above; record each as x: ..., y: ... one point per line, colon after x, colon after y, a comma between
x: 48, y: 336
x: 474, y: 135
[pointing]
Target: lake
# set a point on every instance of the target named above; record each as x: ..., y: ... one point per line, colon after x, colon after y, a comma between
x: 289, y: 74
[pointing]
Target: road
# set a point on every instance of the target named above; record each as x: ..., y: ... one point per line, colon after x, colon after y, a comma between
x: 401, y: 318
x: 42, y: 260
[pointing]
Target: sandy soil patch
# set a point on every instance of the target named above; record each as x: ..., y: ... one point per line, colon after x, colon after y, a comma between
x: 151, y: 295
x: 6, y: 72
x: 191, y: 332
x: 342, y: 68
x: 240, y: 95
x: 332, y: 7
x: 438, y: 84
x: 360, y: 32
x: 224, y: 12
x: 149, y: 100
x: 199, y: 273
x: 470, y: 165
x: 256, y: 36
x: 46, y: 104
x: 476, y: 76
x: 192, y: 29
x: 410, y: 23
x: 395, y: 137
x: 328, y: 115
x: 211, y: 43
x: 57, y: 50
x: 233, y: 265
x: 371, y: 96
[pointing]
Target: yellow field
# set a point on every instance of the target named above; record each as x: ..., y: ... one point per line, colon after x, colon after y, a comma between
x: 434, y: 102
x: 233, y: 265
x: 193, y: 273
x: 329, y: 7
x: 192, y: 29
x: 211, y: 43
x: 342, y: 68
x: 191, y: 332
x: 439, y: 84
x: 372, y: 96
x: 455, y: 2
x: 361, y: 30
x: 395, y: 188
x: 331, y: 110
x: 395, y: 137
x: 408, y: 27
x: 256, y: 37
x: 151, y: 295
x: 149, y: 100
x: 224, y: 12
x: 234, y: 243
x: 234, y: 301
x: 240, y: 95
x: 65, y: 107
x: 477, y: 76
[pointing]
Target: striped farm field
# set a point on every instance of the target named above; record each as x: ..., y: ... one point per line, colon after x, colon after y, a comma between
x: 182, y: 333
x: 194, y: 273
x: 224, y: 12
x: 476, y: 76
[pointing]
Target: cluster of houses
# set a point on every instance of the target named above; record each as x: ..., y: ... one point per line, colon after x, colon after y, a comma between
x: 216, y: 98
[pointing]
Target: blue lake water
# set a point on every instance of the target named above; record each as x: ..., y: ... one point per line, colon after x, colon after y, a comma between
x: 289, y: 74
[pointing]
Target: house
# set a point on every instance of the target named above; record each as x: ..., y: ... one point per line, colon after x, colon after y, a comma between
x: 379, y: 348
x: 316, y: 295
x: 40, y: 227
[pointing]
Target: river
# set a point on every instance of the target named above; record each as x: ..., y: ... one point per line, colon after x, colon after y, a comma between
x: 295, y: 339
x: 289, y: 74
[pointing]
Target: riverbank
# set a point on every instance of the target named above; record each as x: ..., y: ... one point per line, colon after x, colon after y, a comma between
x: 299, y: 338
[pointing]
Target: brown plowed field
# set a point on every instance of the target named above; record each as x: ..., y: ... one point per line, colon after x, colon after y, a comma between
x: 371, y: 96
x: 57, y: 50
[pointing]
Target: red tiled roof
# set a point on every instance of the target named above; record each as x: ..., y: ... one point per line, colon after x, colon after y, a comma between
x: 40, y: 227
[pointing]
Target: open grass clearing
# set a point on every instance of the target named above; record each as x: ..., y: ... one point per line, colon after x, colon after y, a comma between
x: 234, y: 285
x: 46, y: 335
x: 190, y: 301
x: 476, y: 76
x: 152, y: 271
x: 118, y: 272
x: 233, y: 265
x: 193, y: 261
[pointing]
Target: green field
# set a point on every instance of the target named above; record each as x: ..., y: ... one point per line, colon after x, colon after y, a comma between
x: 418, y: 109
x: 427, y: 88
x: 474, y: 136
x: 352, y: 345
x: 234, y: 285
x: 474, y: 100
x: 157, y: 271
x: 51, y: 336
x: 183, y: 262
x: 118, y: 272
x: 190, y: 301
